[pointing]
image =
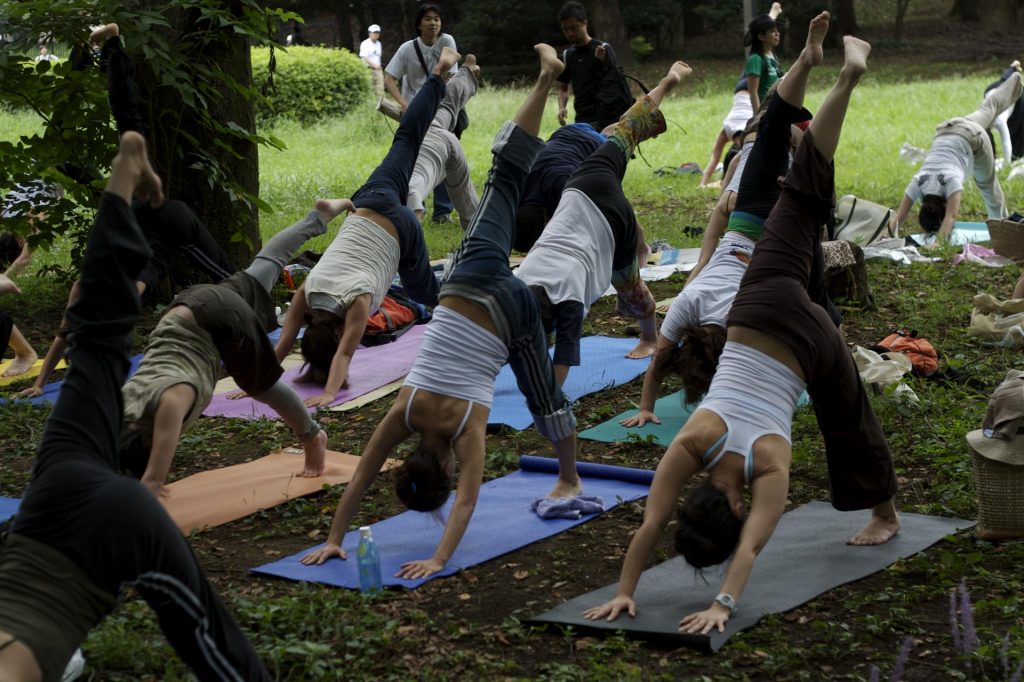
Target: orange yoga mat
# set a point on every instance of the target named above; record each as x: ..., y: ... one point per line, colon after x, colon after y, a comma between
x: 215, y: 497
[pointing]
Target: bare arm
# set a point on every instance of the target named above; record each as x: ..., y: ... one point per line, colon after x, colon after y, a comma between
x: 652, y: 382
x: 753, y: 82
x: 675, y: 468
x: 396, y: 92
x: 563, y: 101
x: 469, y: 449
x: 901, y: 214
x: 171, y: 410
x: 389, y: 433
x: 355, y: 325
x: 949, y: 220
x: 292, y: 324
x: 768, y: 501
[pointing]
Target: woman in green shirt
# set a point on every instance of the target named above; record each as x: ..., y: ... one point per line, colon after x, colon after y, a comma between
x: 762, y: 68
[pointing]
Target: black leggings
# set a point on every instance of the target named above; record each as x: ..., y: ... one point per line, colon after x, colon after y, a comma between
x: 6, y: 329
x: 759, y: 187
x: 108, y: 525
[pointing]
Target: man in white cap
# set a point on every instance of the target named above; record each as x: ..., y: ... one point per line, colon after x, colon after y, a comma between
x: 370, y: 52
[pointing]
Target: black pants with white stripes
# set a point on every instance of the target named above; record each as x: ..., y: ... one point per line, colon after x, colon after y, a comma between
x: 110, y: 526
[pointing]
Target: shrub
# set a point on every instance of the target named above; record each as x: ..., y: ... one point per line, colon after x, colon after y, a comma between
x: 309, y: 83
x: 641, y: 48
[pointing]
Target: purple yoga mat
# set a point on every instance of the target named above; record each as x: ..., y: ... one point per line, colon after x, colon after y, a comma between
x: 371, y: 368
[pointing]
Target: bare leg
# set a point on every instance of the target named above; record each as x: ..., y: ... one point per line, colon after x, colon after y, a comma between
x: 828, y: 123
x: 446, y: 61
x: 24, y: 355
x: 884, y: 524
x: 794, y: 85
x: 315, y: 450
x: 532, y: 110
x: 1018, y: 291
x: 643, y: 120
x: 716, y: 156
x: 676, y: 73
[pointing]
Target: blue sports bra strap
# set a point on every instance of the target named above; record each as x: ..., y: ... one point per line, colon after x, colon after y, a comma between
x: 748, y: 469
x: 465, y: 418
x: 408, y: 406
x: 717, y: 444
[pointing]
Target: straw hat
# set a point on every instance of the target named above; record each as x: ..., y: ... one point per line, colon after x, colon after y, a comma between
x: 999, y: 439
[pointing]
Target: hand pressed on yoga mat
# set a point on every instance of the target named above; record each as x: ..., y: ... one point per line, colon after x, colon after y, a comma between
x: 641, y: 418
x: 704, y: 622
x: 414, y: 570
x: 622, y: 603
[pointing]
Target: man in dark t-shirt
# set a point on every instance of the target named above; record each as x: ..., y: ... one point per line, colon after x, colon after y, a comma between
x: 586, y: 63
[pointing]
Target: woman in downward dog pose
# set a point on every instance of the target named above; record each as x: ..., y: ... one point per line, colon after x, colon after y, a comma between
x: 779, y: 342
x: 694, y: 331
x: 84, y: 532
x: 380, y: 237
x: 594, y: 239
x: 486, y: 317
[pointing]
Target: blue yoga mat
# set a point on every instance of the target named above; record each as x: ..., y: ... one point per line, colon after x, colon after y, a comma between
x: 603, y: 364
x: 963, y: 233
x: 8, y: 507
x: 52, y: 390
x: 501, y: 523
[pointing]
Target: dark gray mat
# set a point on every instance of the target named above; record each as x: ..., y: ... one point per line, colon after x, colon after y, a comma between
x: 806, y: 557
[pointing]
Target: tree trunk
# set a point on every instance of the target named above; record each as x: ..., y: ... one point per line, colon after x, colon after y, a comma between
x: 174, y: 156
x: 605, y: 23
x: 844, y: 20
x: 901, y: 13
x: 344, y: 19
x: 966, y: 10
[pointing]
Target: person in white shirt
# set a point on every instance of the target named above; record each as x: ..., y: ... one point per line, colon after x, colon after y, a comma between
x: 406, y: 65
x: 961, y: 147
x: 370, y: 51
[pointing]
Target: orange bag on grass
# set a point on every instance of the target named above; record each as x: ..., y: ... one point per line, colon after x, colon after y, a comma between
x: 395, y: 316
x: 921, y: 352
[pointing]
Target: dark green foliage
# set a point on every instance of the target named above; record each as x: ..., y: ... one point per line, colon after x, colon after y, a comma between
x: 309, y: 83
x: 181, y: 85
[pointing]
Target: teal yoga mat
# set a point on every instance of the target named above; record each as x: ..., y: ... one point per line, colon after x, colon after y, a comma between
x: 672, y: 412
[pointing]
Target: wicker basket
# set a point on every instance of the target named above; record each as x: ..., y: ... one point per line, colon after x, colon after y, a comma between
x: 1007, y: 238
x: 1000, y: 491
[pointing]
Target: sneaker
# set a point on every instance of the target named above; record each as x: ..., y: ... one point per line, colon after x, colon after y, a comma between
x: 442, y: 218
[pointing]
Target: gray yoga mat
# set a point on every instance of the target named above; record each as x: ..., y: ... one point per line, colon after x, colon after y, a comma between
x: 806, y: 557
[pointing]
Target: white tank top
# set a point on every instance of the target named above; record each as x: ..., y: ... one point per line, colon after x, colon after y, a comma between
x: 362, y: 259
x: 458, y: 358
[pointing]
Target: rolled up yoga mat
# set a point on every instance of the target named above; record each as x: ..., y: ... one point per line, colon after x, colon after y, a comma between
x: 806, y: 556
x: 502, y: 522
x: 603, y: 365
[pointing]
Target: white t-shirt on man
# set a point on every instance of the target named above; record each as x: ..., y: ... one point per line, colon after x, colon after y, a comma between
x: 371, y: 51
x: 405, y: 65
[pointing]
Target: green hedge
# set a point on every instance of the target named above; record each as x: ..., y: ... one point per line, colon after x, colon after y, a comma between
x: 310, y: 83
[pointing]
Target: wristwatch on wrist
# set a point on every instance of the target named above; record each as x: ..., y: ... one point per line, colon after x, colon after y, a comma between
x: 727, y: 601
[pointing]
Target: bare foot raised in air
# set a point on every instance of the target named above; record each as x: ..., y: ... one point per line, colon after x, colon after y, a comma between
x: 21, y: 363
x: 550, y: 64
x: 131, y: 165
x: 332, y: 208
x: 855, y: 56
x: 470, y: 63
x: 816, y: 32
x: 316, y: 453
x: 884, y: 524
x: 446, y: 61
x: 775, y: 11
x: 643, y: 349
x: 104, y: 33
x: 7, y: 285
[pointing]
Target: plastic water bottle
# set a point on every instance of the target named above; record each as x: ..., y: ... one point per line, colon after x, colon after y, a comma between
x: 368, y: 560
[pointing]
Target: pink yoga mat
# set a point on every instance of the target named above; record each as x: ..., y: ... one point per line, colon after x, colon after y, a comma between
x: 371, y: 368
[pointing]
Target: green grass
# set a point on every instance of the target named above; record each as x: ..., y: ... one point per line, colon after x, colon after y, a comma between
x: 469, y: 625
